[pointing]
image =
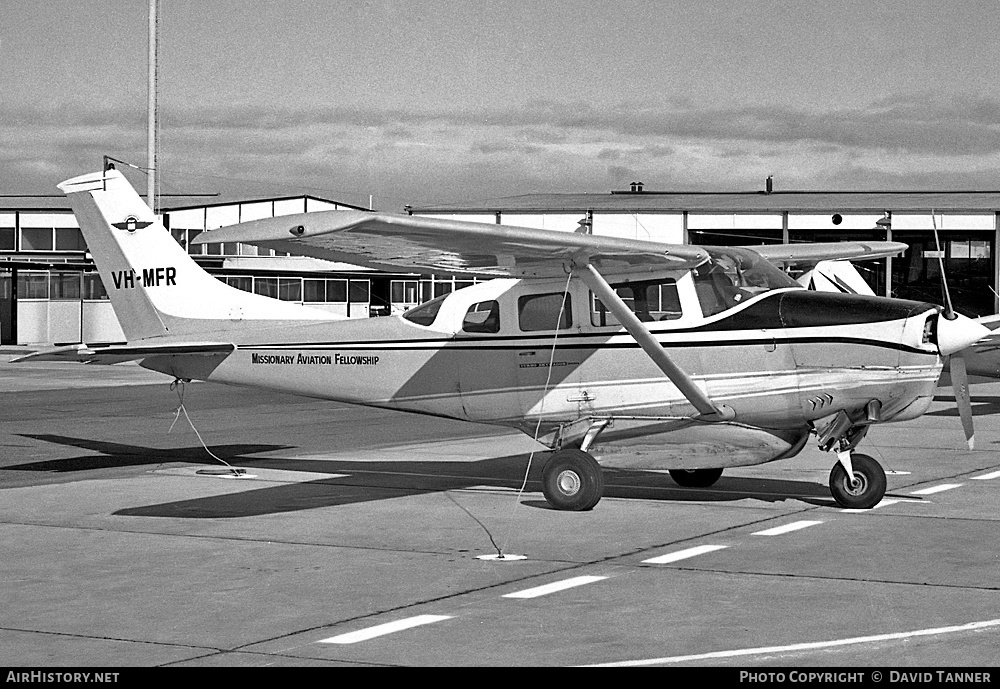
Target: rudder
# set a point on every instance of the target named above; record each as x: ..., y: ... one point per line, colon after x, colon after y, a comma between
x: 155, y: 287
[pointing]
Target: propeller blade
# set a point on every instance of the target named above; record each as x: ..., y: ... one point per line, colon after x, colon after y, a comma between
x: 959, y: 375
x: 960, y: 384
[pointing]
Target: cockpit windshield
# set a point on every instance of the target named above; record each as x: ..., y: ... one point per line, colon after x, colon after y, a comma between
x: 733, y: 275
x: 425, y: 313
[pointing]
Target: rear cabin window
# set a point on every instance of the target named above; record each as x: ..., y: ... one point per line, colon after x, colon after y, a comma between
x: 544, y: 312
x: 649, y: 300
x: 483, y: 317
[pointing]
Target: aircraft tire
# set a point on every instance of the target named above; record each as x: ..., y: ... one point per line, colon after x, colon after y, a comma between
x: 695, y: 478
x: 871, y: 486
x: 572, y: 480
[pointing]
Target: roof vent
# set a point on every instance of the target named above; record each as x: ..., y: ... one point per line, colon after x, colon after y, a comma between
x: 769, y: 184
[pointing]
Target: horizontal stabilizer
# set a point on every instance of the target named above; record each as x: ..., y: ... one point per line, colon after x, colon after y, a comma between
x: 116, y: 354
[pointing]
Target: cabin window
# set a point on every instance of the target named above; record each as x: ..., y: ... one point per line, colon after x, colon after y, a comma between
x: 483, y: 317
x: 425, y: 313
x: 544, y: 312
x: 649, y: 300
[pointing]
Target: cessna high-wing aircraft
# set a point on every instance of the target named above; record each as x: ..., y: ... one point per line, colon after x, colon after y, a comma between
x: 612, y: 352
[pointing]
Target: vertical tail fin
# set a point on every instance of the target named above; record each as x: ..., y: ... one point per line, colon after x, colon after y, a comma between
x: 155, y: 287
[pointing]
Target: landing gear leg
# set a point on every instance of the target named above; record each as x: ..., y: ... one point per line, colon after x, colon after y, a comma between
x: 864, y: 489
x: 572, y: 480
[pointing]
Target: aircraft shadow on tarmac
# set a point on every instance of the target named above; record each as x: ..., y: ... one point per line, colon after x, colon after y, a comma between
x: 981, y: 406
x: 356, y: 482
x: 119, y: 455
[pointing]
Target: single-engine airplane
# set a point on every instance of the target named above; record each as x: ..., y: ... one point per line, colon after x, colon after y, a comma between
x: 612, y: 352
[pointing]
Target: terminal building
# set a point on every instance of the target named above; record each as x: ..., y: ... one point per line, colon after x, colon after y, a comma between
x: 50, y: 292
x: 967, y: 222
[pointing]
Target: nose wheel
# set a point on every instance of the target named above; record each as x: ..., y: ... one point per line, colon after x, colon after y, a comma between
x: 864, y: 489
x: 572, y: 480
x: 695, y: 478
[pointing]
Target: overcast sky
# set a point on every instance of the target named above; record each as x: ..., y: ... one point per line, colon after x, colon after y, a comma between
x: 425, y: 102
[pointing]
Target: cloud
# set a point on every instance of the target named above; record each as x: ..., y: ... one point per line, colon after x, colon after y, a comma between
x: 426, y: 156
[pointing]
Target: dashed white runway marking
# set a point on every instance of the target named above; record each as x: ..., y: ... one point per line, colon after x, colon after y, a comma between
x: 778, y: 530
x: 987, y: 477
x: 936, y: 489
x: 883, y: 503
x: 554, y: 587
x: 683, y: 554
x: 383, y: 629
x: 973, y: 626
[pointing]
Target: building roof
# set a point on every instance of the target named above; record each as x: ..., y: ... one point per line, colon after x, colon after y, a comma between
x: 167, y: 202
x: 738, y: 202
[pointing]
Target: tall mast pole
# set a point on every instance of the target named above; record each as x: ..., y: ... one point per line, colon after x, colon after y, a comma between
x: 151, y: 111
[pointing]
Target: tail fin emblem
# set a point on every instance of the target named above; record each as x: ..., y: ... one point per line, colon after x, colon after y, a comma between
x: 131, y: 224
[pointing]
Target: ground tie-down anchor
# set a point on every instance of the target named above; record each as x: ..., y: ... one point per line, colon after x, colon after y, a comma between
x: 501, y: 557
x: 229, y: 471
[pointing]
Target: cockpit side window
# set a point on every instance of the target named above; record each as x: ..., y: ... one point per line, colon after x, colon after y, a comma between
x: 649, y: 300
x: 716, y: 290
x: 483, y: 317
x: 542, y: 312
x: 426, y: 312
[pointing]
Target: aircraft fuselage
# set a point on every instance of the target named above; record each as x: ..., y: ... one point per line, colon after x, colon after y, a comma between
x: 782, y: 360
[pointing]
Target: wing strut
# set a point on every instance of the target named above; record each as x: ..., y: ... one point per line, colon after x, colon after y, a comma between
x: 707, y: 409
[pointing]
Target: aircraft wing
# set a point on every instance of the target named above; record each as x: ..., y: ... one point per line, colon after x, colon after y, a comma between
x: 116, y: 354
x: 431, y: 245
x: 803, y: 254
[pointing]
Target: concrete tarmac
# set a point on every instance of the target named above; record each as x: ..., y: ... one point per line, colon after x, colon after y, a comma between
x: 355, y: 536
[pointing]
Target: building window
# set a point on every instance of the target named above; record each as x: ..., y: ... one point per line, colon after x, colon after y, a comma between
x: 969, y: 264
x: 69, y: 239
x: 193, y: 249
x: 314, y: 291
x: 242, y: 282
x: 32, y: 285
x: 93, y: 287
x: 266, y: 287
x: 6, y: 238
x: 290, y: 289
x: 64, y: 286
x: 360, y: 291
x: 319, y: 291
x: 403, y: 292
x: 36, y: 239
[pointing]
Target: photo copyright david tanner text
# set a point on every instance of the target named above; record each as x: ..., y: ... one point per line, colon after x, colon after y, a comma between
x: 890, y: 676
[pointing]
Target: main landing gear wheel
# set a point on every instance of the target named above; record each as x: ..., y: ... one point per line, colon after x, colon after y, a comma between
x: 572, y: 480
x: 868, y: 486
x: 695, y: 478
